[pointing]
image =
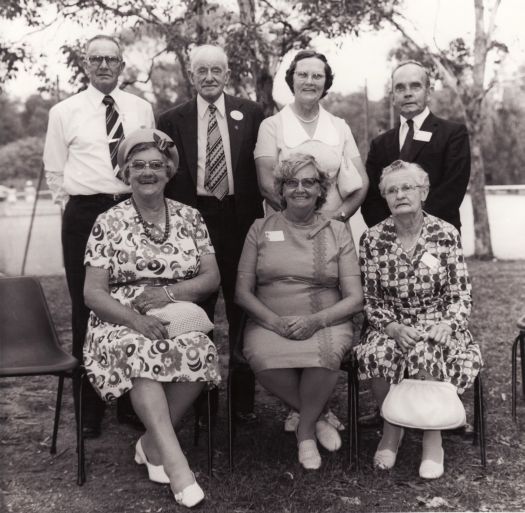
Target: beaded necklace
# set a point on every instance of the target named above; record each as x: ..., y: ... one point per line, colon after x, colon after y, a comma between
x: 147, y: 231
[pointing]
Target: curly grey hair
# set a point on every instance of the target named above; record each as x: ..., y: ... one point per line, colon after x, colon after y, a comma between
x: 420, y: 174
x: 290, y: 166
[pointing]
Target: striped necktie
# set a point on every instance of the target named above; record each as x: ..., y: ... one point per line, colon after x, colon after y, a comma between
x: 114, y: 130
x: 409, y: 139
x: 216, y: 174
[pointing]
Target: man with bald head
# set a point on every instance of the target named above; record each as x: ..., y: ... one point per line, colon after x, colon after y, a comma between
x: 439, y: 146
x: 215, y: 134
x: 80, y: 161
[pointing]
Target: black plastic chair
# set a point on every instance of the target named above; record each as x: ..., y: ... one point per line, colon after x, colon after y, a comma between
x: 347, y: 365
x: 520, y: 340
x: 29, y: 347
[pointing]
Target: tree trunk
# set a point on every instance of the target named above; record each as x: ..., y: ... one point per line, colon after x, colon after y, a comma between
x: 482, y: 240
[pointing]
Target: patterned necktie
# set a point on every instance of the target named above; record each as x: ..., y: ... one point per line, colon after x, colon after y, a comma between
x: 405, y: 150
x: 114, y: 130
x: 216, y: 174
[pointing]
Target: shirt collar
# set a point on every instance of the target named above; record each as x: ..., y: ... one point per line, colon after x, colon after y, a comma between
x: 202, y: 106
x: 95, y: 96
x: 294, y: 134
x: 418, y: 119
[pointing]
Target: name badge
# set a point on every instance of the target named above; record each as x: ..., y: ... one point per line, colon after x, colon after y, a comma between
x: 422, y: 135
x: 430, y: 260
x: 274, y: 236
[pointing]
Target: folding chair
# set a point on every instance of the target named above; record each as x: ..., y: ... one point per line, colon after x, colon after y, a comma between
x: 29, y: 347
x: 520, y: 339
x: 347, y: 365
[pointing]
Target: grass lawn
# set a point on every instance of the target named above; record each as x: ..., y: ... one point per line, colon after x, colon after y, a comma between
x: 268, y: 477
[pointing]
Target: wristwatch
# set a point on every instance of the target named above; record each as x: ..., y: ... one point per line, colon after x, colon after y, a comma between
x: 342, y: 216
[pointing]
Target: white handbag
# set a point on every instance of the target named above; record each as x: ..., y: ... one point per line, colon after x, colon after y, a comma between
x: 183, y: 317
x: 423, y: 404
x: 348, y: 178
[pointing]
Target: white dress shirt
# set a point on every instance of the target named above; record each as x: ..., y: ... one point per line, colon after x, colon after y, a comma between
x: 76, y: 151
x: 418, y: 121
x: 203, y: 115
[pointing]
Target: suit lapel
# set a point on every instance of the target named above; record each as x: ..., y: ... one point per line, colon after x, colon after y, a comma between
x: 429, y: 125
x: 189, y: 137
x: 234, y: 129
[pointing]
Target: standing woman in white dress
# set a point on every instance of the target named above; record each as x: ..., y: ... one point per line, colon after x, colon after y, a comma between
x: 304, y: 126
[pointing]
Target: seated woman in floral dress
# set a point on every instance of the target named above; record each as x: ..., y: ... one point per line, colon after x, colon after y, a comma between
x: 417, y: 303
x: 145, y: 253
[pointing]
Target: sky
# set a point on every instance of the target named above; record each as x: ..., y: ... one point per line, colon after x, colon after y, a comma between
x: 355, y: 60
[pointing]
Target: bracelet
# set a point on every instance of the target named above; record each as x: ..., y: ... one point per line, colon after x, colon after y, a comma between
x: 170, y: 295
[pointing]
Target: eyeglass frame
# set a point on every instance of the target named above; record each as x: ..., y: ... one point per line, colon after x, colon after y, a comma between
x: 111, y: 60
x: 147, y: 165
x: 303, y: 182
x: 303, y: 76
x: 405, y: 188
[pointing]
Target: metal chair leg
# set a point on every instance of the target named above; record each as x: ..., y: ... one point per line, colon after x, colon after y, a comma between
x: 210, y: 436
x: 230, y: 419
x: 355, y: 416
x: 522, y: 356
x: 514, y: 362
x: 349, y: 405
x: 81, y: 463
x: 481, y: 420
x: 197, y: 417
x: 58, y: 405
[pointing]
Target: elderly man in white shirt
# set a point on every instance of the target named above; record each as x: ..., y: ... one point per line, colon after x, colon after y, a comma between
x: 82, y: 140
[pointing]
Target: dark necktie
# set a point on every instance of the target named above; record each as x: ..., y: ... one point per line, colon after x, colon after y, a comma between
x: 114, y: 130
x: 409, y: 139
x: 216, y: 174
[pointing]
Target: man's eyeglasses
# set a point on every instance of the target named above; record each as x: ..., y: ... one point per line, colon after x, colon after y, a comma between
x: 405, y: 188
x: 306, y: 183
x: 111, y: 60
x: 154, y: 165
x: 303, y: 76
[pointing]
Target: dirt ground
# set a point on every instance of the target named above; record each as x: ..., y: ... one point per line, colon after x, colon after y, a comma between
x: 267, y: 475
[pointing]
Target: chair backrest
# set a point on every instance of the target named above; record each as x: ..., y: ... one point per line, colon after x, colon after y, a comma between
x: 27, y: 333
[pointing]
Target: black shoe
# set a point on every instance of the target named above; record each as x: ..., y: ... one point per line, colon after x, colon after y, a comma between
x: 245, y: 418
x: 91, y: 430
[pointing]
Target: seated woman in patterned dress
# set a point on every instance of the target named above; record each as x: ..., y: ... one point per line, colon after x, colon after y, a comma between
x: 417, y: 302
x: 145, y: 253
x: 298, y: 280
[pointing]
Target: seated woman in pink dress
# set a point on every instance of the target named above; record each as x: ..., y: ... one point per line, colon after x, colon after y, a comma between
x: 298, y: 280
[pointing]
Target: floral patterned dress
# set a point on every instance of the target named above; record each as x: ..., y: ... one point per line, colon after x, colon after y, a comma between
x: 115, y: 354
x: 428, y: 288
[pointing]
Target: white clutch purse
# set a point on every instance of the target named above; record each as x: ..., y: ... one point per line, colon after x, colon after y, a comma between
x: 183, y: 317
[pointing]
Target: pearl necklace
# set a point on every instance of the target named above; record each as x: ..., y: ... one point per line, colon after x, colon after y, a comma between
x: 147, y: 231
x: 306, y: 120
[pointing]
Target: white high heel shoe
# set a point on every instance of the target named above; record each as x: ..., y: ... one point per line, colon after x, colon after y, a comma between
x: 156, y: 473
x: 385, y: 459
x: 430, y: 469
x: 190, y: 496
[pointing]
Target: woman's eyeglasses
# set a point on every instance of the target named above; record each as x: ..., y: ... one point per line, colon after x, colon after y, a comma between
x: 154, y: 165
x: 303, y: 76
x: 306, y: 183
x: 405, y: 188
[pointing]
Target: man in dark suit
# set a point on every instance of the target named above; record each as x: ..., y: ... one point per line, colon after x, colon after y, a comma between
x: 215, y: 134
x: 439, y: 146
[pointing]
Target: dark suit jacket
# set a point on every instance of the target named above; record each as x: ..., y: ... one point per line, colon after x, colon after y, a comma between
x: 180, y: 123
x: 446, y: 159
